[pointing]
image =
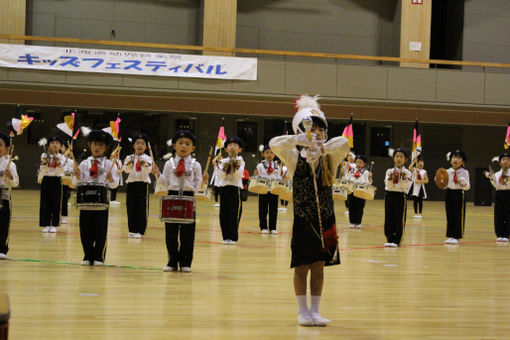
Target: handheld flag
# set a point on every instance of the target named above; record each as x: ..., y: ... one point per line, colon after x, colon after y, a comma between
x: 349, y: 133
x: 68, y: 125
x: 221, y: 139
x: 114, y: 128
x: 416, y: 142
x: 507, y: 138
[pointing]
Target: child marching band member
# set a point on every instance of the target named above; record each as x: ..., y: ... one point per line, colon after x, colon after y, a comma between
x: 138, y: 166
x: 66, y: 190
x: 501, y: 181
x: 52, y: 170
x: 396, y: 183
x: 181, y: 174
x: 420, y: 178
x: 268, y: 203
x: 455, y: 201
x: 94, y: 223
x: 311, y: 163
x: 359, y: 175
x: 230, y: 173
x: 348, y: 165
x: 8, y: 179
x: 114, y: 186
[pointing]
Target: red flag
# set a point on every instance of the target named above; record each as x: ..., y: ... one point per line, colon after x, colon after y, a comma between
x: 348, y: 133
x: 507, y: 138
x: 416, y: 141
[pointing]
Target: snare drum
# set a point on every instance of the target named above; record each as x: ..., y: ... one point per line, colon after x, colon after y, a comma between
x: 160, y: 189
x: 279, y: 187
x: 203, y: 194
x: 339, y: 193
x: 259, y: 185
x: 92, y: 196
x: 177, y: 209
x: 348, y: 185
x: 365, y: 191
x: 287, y: 195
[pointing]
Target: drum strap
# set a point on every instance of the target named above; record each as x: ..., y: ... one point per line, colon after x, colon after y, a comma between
x: 188, y: 171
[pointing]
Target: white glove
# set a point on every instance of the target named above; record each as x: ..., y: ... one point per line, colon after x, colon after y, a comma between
x: 462, y: 182
x: 312, y: 154
x: 302, y: 139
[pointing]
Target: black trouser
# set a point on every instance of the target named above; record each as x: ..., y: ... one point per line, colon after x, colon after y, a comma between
x: 51, y: 197
x: 418, y: 204
x: 216, y: 191
x: 93, y: 230
x: 284, y: 203
x: 5, y: 221
x: 268, y: 201
x: 501, y: 213
x: 356, y: 206
x: 66, y: 193
x: 230, y: 212
x: 137, y: 203
x: 455, y: 204
x: 182, y: 234
x: 113, y: 194
x: 395, y: 213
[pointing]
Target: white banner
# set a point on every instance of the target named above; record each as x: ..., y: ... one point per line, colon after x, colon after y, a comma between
x: 75, y: 59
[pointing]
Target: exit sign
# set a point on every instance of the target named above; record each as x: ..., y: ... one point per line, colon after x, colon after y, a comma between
x: 417, y: 2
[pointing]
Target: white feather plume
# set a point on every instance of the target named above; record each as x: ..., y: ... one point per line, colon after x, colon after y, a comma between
x: 304, y: 101
x: 352, y: 155
x: 391, y: 152
x: 167, y: 156
x: 448, y: 156
x: 85, y: 131
x: 496, y: 159
x: 42, y: 142
x: 15, y: 158
x: 261, y: 147
x: 169, y: 143
x: 130, y: 139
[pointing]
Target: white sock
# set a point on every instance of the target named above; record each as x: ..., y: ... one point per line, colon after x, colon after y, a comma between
x: 315, y: 301
x: 302, y: 305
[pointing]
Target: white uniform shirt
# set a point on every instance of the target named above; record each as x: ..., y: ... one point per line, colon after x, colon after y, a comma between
x: 285, y: 148
x: 263, y: 167
x: 118, y: 181
x: 418, y: 186
x: 234, y: 178
x: 403, y: 183
x: 363, y: 176
x: 190, y: 180
x: 462, y: 177
x: 347, y: 168
x: 496, y: 180
x: 52, y: 165
x: 68, y: 164
x: 6, y: 182
x: 103, y: 166
x: 130, y: 168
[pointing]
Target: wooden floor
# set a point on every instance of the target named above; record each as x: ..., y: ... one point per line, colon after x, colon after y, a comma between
x: 422, y: 290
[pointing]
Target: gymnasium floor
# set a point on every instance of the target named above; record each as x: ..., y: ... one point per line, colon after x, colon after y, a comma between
x: 422, y: 290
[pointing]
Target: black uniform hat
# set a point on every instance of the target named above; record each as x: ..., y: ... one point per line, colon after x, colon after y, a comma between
x: 100, y: 136
x: 504, y: 154
x: 140, y: 136
x: 402, y: 151
x: 362, y: 157
x: 184, y: 134
x: 55, y: 138
x: 459, y: 153
x: 5, y: 138
x: 234, y: 139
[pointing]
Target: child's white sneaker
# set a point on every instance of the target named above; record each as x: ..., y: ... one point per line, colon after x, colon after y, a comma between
x: 63, y: 220
x: 318, y: 320
x: 393, y: 245
x: 169, y: 269
x: 264, y: 231
x: 346, y: 212
x: 353, y: 226
x: 115, y: 202
x: 131, y: 235
x: 3, y: 256
x: 53, y: 229
x: 233, y: 243
x: 85, y: 263
x: 418, y: 216
x: 98, y: 263
x: 502, y: 239
x: 451, y: 241
x: 186, y: 269
x: 45, y: 230
x: 305, y: 320
x: 216, y: 205
x: 357, y: 226
x: 137, y: 236
x: 274, y: 232
x: 225, y: 242
x: 387, y: 244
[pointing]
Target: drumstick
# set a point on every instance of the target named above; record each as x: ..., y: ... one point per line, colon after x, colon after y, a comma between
x: 114, y: 159
x: 207, y: 165
x: 11, y: 151
x: 307, y: 123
